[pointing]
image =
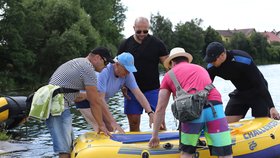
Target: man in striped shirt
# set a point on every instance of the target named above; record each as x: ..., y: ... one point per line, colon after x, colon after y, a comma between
x: 78, y: 74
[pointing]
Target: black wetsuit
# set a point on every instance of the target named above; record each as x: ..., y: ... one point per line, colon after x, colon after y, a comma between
x: 251, y: 87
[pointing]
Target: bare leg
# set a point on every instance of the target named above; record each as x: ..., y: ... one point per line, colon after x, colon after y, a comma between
x: 86, y: 112
x: 89, y: 118
x: 64, y: 155
x: 186, y: 155
x: 235, y: 118
x: 134, y: 122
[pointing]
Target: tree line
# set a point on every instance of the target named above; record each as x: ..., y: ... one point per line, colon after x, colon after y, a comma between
x: 191, y: 36
x: 36, y: 36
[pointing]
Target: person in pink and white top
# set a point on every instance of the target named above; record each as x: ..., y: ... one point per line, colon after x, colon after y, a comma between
x: 215, y: 127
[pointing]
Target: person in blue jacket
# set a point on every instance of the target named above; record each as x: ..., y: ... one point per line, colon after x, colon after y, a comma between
x: 110, y: 81
x: 251, y: 87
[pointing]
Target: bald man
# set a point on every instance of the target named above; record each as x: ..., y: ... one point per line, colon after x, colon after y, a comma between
x: 148, y: 51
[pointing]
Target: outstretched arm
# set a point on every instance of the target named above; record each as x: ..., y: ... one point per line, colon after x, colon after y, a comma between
x: 96, y: 108
x: 164, y: 95
x: 144, y: 103
x: 108, y: 115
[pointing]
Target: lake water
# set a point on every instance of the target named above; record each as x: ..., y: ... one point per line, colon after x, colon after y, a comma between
x: 36, y: 137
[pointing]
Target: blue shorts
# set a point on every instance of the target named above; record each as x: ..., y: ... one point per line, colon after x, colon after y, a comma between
x: 82, y: 104
x: 61, y: 131
x: 132, y: 106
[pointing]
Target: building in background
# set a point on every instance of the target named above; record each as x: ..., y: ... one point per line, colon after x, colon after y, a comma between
x: 272, y: 37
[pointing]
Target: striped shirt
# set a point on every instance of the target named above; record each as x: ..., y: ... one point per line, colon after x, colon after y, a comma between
x: 75, y: 74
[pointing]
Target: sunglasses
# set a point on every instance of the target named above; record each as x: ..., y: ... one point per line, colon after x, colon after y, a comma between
x: 104, y: 60
x: 139, y: 31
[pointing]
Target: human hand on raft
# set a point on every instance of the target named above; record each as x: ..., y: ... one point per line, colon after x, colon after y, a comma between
x: 154, y: 142
x: 274, y: 113
x: 117, y: 128
x: 104, y: 130
x: 124, y: 92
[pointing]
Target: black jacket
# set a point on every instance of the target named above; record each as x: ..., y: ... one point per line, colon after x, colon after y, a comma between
x: 241, y: 70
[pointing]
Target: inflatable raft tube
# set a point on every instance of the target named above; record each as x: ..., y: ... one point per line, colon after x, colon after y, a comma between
x: 13, y: 111
x: 255, y: 138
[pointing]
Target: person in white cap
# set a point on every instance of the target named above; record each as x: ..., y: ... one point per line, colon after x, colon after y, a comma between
x: 215, y: 126
x: 110, y: 80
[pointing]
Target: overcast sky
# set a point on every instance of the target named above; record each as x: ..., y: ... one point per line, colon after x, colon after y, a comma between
x: 263, y: 15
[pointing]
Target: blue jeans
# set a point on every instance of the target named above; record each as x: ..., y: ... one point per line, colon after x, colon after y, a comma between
x: 60, y: 128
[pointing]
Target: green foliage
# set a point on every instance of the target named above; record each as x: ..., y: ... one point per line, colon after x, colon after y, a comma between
x: 190, y: 36
x: 241, y: 42
x: 6, y: 81
x: 260, y: 46
x: 162, y: 29
x: 107, y: 16
x: 274, y: 53
x: 4, y: 136
x: 275, y: 44
x: 211, y: 35
x: 39, y: 35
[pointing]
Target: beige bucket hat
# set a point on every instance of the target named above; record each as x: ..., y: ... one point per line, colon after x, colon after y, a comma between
x: 177, y: 52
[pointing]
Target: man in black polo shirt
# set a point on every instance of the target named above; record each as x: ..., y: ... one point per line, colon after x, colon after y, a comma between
x: 251, y: 87
x: 148, y: 52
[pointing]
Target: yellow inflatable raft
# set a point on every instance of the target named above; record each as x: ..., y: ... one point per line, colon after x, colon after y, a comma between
x: 255, y: 138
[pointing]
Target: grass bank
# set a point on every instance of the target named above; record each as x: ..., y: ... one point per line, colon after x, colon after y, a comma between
x: 4, y: 136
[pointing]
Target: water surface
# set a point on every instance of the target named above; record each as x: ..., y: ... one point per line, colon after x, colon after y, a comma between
x: 35, y: 134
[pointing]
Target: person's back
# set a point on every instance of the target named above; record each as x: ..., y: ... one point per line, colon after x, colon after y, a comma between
x: 74, y: 74
x: 251, y: 86
x: 211, y: 119
x: 190, y: 76
x: 241, y: 70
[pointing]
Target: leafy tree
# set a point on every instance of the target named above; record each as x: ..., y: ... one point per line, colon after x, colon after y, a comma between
x: 274, y: 53
x: 190, y: 36
x: 162, y: 28
x: 260, y: 45
x: 39, y: 35
x: 240, y: 41
x: 13, y: 51
x: 107, y: 16
x: 60, y: 38
x: 211, y: 35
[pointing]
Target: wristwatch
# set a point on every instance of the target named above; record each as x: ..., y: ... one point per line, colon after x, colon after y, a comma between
x: 151, y: 112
